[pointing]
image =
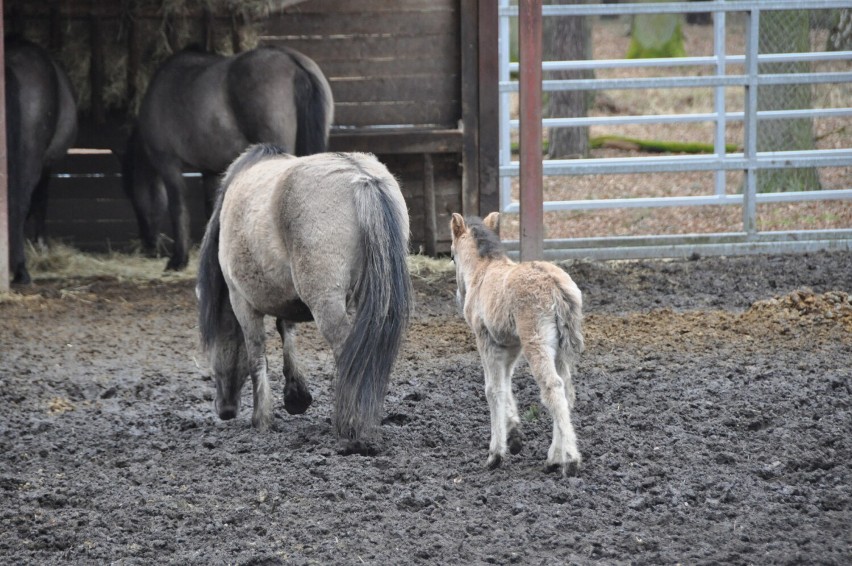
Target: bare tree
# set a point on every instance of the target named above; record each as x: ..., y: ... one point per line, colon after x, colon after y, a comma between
x: 785, y: 31
x: 568, y: 38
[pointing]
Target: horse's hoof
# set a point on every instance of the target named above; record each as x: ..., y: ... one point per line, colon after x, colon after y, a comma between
x: 22, y: 277
x: 296, y: 402
x: 360, y: 447
x: 568, y: 469
x: 262, y: 424
x: 494, y: 461
x: 176, y: 264
x: 516, y: 441
x: 228, y: 413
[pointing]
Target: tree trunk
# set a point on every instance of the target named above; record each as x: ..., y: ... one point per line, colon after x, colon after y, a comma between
x: 785, y: 31
x: 567, y: 38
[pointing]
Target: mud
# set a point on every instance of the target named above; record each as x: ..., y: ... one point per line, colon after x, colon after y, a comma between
x: 713, y: 414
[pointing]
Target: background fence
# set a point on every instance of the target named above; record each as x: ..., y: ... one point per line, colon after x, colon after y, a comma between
x: 769, y: 65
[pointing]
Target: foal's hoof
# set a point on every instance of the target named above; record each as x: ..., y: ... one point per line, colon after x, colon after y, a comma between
x: 516, y: 441
x: 568, y: 469
x: 494, y: 461
x: 297, y: 402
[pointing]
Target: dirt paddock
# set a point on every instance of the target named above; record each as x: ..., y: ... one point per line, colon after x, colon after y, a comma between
x: 713, y: 414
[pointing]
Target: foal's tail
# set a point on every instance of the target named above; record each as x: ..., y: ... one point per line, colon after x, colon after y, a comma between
x: 383, y: 298
x: 314, y: 107
x: 211, y: 289
x: 569, y: 318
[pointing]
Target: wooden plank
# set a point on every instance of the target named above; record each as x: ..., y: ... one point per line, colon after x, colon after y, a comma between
x: 432, y: 50
x: 396, y: 113
x: 362, y: 6
x: 434, y: 88
x: 397, y: 141
x: 395, y: 23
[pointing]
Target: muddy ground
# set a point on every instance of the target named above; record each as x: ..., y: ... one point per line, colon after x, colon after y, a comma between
x: 714, y: 421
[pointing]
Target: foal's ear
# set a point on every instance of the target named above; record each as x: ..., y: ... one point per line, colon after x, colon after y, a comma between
x: 457, y: 225
x: 492, y: 222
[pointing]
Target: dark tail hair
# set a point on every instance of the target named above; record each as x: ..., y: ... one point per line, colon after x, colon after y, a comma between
x: 383, y: 296
x: 211, y: 288
x: 314, y: 110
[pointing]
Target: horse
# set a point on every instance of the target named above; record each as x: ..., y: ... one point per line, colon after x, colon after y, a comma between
x: 200, y: 111
x: 529, y: 308
x: 321, y: 237
x: 41, y: 124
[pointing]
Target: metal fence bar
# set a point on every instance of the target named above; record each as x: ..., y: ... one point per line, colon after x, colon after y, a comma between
x: 812, y: 57
x: 707, y: 200
x: 685, y: 82
x: 720, y: 182
x: 684, y: 118
x: 748, y: 160
x: 679, y: 7
x: 670, y: 164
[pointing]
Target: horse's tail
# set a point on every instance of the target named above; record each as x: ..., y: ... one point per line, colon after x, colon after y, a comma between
x: 314, y: 106
x: 383, y: 298
x: 211, y: 289
x: 569, y: 318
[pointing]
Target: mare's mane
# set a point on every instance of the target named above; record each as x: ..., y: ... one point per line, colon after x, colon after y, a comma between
x: 488, y: 244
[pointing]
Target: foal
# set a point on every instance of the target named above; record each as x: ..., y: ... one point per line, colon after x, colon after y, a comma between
x: 532, y: 308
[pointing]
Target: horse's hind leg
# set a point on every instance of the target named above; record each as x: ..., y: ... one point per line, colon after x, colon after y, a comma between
x: 297, y: 396
x: 176, y: 189
x: 563, y: 451
x: 251, y: 322
x: 498, y: 363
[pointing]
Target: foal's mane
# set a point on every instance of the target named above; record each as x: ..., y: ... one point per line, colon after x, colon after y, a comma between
x: 488, y: 244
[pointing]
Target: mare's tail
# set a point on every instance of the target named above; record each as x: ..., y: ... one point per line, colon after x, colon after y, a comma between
x: 383, y: 298
x: 214, y: 306
x: 569, y: 318
x: 314, y: 107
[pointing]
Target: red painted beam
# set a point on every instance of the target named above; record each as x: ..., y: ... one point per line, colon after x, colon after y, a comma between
x: 531, y: 204
x: 4, y: 177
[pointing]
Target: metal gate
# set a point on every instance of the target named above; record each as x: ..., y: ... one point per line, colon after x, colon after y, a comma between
x: 749, y: 161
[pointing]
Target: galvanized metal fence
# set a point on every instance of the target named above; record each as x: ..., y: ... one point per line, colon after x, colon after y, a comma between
x: 749, y: 160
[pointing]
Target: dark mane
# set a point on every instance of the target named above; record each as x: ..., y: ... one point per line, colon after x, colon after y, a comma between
x: 488, y: 244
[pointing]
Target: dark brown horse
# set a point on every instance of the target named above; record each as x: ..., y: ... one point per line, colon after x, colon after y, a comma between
x: 201, y: 110
x: 41, y: 124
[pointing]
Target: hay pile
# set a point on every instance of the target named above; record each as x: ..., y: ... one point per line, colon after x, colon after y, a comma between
x: 160, y: 29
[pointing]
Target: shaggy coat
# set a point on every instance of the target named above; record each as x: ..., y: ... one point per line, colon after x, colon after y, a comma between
x: 534, y: 309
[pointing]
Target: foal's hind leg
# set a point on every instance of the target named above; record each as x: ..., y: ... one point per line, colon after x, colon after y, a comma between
x: 251, y: 322
x: 297, y: 396
x: 498, y: 363
x: 563, y: 451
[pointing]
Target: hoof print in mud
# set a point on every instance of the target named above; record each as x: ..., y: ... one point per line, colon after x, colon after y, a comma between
x: 359, y: 447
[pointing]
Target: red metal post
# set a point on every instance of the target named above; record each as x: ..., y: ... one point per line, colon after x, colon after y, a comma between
x: 531, y: 204
x: 4, y: 177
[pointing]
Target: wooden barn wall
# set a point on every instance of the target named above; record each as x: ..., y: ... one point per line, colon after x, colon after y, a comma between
x: 388, y: 63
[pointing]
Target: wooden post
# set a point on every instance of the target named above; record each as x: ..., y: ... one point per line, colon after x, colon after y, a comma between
x: 470, y: 107
x: 430, y: 232
x: 489, y: 108
x: 532, y: 208
x: 4, y: 177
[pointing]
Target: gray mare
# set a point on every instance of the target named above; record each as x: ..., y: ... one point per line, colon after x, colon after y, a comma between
x: 323, y: 237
